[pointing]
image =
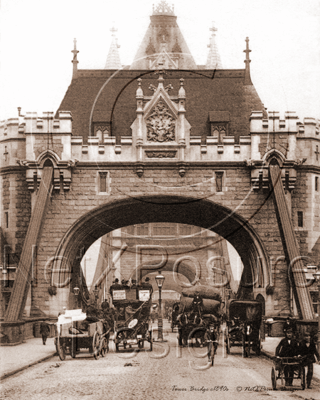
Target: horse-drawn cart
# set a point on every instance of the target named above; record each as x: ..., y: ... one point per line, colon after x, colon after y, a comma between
x: 132, y: 317
x: 76, y: 331
x: 243, y: 326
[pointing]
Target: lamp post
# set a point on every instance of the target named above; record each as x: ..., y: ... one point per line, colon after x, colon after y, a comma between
x: 313, y: 272
x: 160, y: 279
x: 316, y: 276
x: 76, y: 292
x: 96, y: 294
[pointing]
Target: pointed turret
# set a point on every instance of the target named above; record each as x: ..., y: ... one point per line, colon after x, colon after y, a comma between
x: 75, y: 59
x: 113, y: 59
x: 213, y: 60
x: 247, y: 77
x: 163, y: 43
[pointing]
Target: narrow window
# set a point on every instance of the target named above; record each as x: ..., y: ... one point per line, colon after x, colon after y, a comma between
x: 219, y: 176
x: 103, y: 182
x: 316, y: 185
x: 6, y: 219
x: 300, y: 219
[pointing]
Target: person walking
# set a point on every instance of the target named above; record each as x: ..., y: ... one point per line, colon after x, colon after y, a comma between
x: 44, y: 331
x: 308, y: 349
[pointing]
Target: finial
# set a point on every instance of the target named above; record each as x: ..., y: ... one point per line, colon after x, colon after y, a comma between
x: 75, y: 58
x: 213, y: 29
x: 182, y: 92
x: 247, y: 50
x: 163, y: 8
x: 247, y: 78
x: 139, y: 92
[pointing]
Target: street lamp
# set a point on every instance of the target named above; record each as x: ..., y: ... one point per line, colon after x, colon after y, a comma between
x: 160, y: 279
x: 313, y: 273
x: 96, y: 294
x: 76, y: 292
x: 316, y: 276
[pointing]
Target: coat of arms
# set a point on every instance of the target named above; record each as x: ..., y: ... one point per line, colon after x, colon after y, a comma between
x: 160, y: 124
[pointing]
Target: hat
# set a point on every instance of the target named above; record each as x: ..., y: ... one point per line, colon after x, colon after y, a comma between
x: 116, y: 280
x: 147, y: 279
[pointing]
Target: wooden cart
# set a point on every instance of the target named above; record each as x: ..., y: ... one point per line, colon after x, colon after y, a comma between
x: 77, y: 332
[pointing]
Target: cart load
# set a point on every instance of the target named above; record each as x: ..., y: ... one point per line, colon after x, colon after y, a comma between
x: 245, y: 310
x: 204, y: 291
x: 208, y: 306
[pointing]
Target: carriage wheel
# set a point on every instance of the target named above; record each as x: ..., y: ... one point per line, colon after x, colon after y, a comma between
x: 96, y: 345
x: 228, y: 345
x: 103, y: 347
x: 212, y: 353
x: 303, y: 377
x: 60, y: 349
x: 258, y: 348
x: 273, y: 379
x: 244, y: 350
x: 73, y: 349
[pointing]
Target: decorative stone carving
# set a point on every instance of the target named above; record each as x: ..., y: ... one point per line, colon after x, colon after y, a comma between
x: 163, y: 8
x: 101, y: 129
x: 219, y: 131
x: 160, y: 124
x: 152, y: 87
x: 161, y: 154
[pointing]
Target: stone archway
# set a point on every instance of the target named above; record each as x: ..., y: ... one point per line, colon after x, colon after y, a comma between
x: 176, y: 209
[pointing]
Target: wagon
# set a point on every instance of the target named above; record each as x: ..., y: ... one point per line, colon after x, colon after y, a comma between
x: 295, y: 365
x: 132, y: 316
x: 76, y: 331
x: 243, y: 326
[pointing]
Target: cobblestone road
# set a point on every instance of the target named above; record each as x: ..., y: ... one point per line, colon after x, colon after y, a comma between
x: 165, y: 373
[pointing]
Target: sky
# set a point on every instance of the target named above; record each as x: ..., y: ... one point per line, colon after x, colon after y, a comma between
x: 36, y: 39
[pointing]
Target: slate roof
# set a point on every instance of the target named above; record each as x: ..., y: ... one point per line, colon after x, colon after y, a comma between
x: 109, y: 96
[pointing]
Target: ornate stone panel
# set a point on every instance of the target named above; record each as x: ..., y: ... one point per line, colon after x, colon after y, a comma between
x: 160, y: 124
x: 161, y: 153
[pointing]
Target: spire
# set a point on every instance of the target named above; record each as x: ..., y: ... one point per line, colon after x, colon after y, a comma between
x: 247, y: 78
x: 213, y: 60
x: 163, y: 42
x: 113, y: 59
x: 163, y: 8
x: 75, y: 59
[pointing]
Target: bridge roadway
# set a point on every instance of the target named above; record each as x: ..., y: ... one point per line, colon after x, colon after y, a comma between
x: 166, y: 373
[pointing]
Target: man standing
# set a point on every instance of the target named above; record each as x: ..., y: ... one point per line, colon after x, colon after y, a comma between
x: 182, y: 321
x: 44, y: 331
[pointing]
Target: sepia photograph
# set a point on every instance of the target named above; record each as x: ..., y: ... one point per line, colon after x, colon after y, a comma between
x: 159, y: 199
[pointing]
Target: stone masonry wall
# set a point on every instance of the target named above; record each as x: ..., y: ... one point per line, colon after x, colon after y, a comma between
x: 17, y: 201
x: 255, y: 206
